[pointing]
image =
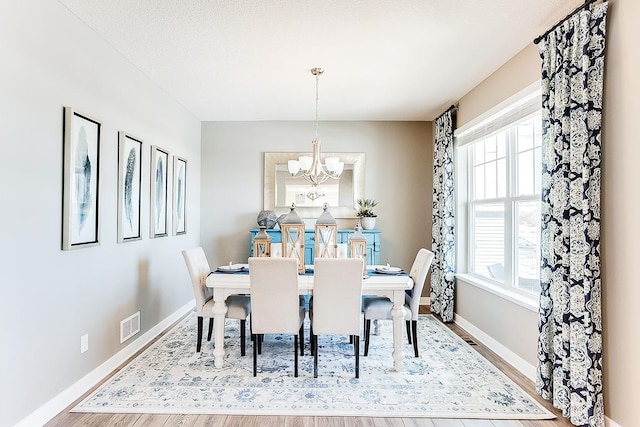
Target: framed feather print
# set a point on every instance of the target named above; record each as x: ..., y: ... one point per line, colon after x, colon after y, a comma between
x: 80, y: 191
x: 179, y: 195
x: 129, y: 184
x: 159, y: 186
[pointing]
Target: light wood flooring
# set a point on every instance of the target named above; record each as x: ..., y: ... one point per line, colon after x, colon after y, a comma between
x: 67, y: 419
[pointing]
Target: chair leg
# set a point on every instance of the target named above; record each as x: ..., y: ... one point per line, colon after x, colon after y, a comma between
x: 295, y: 357
x: 408, y: 323
x: 199, y: 339
x: 367, y: 332
x: 243, y: 336
x: 254, y: 337
x: 210, y: 329
x: 311, y: 340
x: 259, y: 339
x: 314, y: 339
x: 356, y: 350
x: 414, y: 324
x: 301, y: 334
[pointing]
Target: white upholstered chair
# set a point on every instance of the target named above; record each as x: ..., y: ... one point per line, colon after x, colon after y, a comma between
x: 380, y: 307
x: 275, y: 303
x: 238, y: 306
x: 337, y: 297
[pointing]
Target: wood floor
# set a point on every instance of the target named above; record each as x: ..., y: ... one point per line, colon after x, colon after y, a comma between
x: 67, y: 419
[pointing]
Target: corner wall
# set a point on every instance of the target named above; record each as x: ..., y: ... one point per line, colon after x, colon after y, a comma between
x: 49, y: 298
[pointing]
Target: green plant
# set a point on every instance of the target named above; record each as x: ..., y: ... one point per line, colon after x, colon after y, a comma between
x: 365, y: 207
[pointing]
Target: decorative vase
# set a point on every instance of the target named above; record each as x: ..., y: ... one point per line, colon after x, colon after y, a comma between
x: 368, y: 222
x: 267, y: 218
x: 279, y: 220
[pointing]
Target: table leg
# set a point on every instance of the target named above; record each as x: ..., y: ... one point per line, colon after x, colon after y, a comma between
x: 398, y: 317
x: 219, y: 314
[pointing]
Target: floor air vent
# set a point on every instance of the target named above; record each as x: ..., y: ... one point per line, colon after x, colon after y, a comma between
x: 129, y: 327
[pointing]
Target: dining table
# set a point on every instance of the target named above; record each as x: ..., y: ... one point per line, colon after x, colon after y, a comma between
x: 378, y: 281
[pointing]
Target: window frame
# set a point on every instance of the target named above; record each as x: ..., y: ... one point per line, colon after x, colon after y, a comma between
x: 517, y: 109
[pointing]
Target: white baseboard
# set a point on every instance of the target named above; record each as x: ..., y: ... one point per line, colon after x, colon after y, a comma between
x: 608, y: 422
x: 56, y: 405
x: 510, y: 357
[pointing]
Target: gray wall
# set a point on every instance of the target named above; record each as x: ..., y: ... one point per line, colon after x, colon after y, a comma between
x: 399, y: 157
x: 50, y: 297
x: 483, y: 309
x: 620, y: 206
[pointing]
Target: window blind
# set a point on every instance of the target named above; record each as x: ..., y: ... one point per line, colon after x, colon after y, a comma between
x: 501, y: 116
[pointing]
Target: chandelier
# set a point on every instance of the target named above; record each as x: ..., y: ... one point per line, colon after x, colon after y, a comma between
x: 311, y: 168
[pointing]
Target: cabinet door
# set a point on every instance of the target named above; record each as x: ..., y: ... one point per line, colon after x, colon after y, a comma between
x: 309, y: 246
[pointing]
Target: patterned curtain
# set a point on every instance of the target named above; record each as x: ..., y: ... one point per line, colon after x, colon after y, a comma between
x: 570, y: 341
x: 442, y: 277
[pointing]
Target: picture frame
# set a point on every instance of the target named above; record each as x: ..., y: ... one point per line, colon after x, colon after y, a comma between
x: 81, y: 180
x: 159, y: 188
x: 179, y: 195
x: 129, y: 187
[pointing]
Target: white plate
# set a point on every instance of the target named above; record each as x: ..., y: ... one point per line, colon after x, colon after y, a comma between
x: 233, y: 268
x: 388, y: 270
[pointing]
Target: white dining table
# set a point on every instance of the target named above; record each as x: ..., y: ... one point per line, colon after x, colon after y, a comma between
x: 392, y: 286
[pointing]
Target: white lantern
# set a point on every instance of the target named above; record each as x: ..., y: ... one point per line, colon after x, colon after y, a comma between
x: 292, y: 228
x: 262, y: 243
x: 358, y: 247
x: 326, y: 236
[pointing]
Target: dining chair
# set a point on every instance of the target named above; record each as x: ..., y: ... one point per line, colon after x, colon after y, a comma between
x: 275, y: 303
x: 238, y: 306
x: 337, y: 296
x: 379, y: 308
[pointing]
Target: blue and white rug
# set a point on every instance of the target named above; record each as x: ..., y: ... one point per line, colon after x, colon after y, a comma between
x: 448, y: 380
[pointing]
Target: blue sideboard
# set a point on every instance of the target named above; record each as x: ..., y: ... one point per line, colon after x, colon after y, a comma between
x: 373, y: 242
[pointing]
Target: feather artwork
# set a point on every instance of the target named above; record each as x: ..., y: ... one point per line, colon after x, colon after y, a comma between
x: 82, y: 178
x: 159, y: 191
x: 180, y: 195
x: 128, y: 186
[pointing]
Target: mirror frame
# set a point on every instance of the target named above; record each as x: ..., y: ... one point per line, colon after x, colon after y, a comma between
x: 273, y: 159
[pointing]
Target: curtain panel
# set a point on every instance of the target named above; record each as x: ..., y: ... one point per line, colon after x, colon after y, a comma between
x: 570, y: 341
x: 442, y: 272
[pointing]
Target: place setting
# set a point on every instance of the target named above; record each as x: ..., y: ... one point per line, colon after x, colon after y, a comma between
x: 232, y: 268
x: 387, y: 269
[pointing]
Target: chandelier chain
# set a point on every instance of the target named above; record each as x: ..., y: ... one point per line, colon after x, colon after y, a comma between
x: 317, y: 101
x: 312, y: 168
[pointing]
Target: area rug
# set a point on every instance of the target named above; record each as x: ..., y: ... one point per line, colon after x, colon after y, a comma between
x: 448, y: 380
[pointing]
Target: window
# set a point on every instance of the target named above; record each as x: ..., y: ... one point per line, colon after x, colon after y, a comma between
x: 499, y: 197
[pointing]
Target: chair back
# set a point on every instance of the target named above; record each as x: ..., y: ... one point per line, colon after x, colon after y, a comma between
x: 418, y: 273
x: 199, y: 269
x: 275, y: 306
x: 337, y: 296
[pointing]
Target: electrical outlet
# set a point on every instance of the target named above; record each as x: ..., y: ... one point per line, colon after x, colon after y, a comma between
x: 84, y: 343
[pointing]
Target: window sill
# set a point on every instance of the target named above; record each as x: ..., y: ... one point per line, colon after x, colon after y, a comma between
x: 528, y: 302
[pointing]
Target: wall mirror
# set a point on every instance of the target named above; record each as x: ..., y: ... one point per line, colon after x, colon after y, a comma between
x: 281, y: 189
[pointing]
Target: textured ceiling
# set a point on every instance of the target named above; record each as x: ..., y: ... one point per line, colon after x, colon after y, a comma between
x: 383, y: 59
